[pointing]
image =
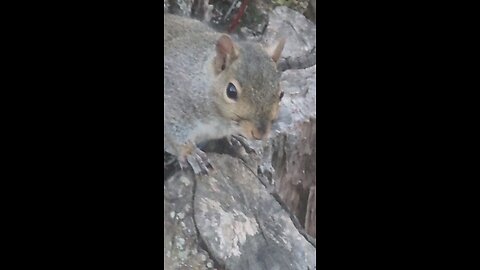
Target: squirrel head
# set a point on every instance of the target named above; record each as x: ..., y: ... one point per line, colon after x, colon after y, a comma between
x: 247, y: 85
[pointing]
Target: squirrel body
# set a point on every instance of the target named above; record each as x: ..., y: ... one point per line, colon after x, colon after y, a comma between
x: 215, y: 87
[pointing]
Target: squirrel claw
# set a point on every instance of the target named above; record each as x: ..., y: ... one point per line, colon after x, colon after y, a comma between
x: 204, y: 160
x: 240, y: 141
x: 233, y: 141
x: 198, y: 162
x: 183, y: 164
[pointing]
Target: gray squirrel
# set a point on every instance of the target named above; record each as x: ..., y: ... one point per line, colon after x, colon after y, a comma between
x: 215, y: 87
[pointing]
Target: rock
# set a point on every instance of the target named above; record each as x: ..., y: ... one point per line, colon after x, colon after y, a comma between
x: 311, y: 12
x: 298, y: 5
x: 292, y: 152
x: 242, y: 225
x: 166, y: 5
x: 301, y: 33
x: 181, y: 246
x: 180, y: 7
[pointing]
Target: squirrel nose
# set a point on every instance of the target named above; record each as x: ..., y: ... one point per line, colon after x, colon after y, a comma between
x: 255, y: 137
x: 259, y: 132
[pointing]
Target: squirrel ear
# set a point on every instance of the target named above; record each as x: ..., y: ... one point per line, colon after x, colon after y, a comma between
x: 275, y: 51
x: 226, y: 53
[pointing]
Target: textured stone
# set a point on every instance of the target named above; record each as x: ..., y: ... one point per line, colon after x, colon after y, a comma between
x: 242, y: 225
x: 300, y: 32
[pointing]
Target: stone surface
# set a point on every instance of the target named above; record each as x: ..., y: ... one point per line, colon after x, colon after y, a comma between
x: 242, y: 225
x: 300, y: 32
x: 311, y: 12
x: 182, y: 249
x: 292, y: 150
x: 179, y: 7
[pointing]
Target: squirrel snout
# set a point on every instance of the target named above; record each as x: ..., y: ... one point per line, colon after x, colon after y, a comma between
x: 258, y: 136
x: 259, y: 132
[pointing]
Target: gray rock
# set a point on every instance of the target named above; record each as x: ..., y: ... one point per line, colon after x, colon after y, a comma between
x: 166, y: 5
x: 300, y: 48
x: 311, y: 12
x: 242, y: 225
x: 181, y: 243
x: 180, y: 7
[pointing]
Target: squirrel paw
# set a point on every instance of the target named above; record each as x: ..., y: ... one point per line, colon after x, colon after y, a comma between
x: 198, y: 161
x: 238, y: 141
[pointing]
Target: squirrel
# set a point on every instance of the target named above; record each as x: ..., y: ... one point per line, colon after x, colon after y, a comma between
x: 214, y: 88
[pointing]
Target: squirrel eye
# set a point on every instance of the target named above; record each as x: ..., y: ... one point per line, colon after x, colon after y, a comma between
x: 231, y: 91
x: 281, y: 95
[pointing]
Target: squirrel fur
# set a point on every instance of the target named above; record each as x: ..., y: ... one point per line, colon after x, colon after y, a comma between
x: 215, y: 87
